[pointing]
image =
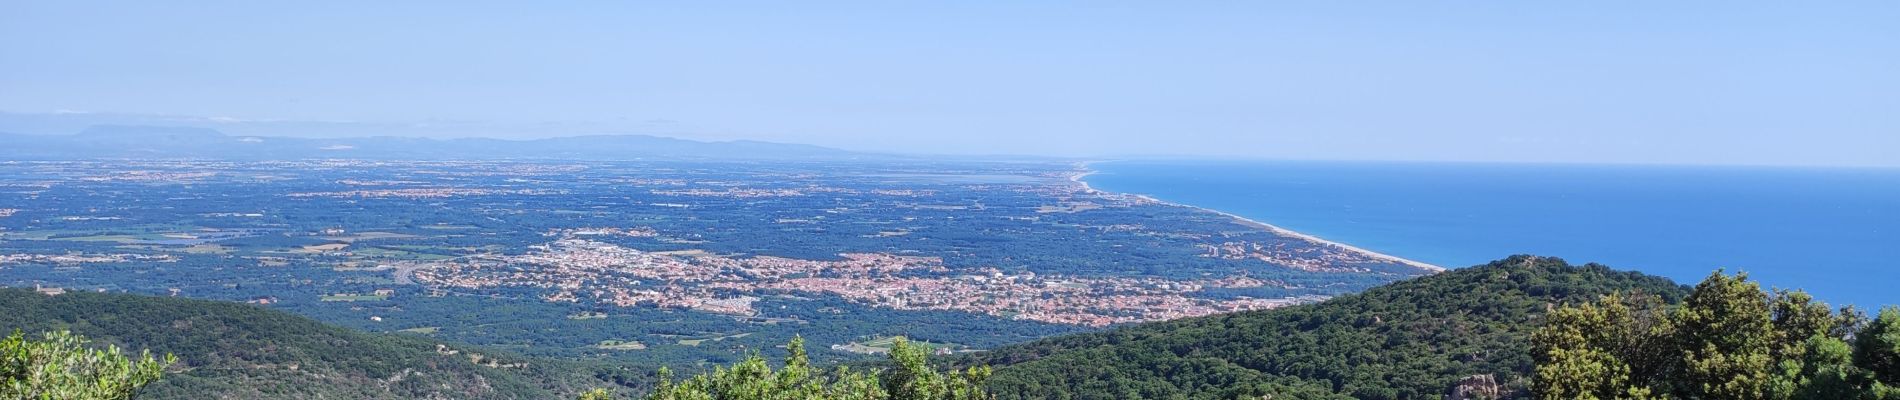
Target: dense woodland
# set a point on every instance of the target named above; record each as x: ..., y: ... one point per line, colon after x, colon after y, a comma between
x: 1414, y: 339
x: 1727, y: 340
x: 229, y: 350
x: 1523, y: 327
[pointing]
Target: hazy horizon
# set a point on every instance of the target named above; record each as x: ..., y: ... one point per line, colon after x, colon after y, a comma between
x: 1702, y: 83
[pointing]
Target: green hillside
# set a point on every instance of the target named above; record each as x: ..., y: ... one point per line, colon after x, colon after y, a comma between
x: 239, y: 351
x: 1419, y: 339
x: 1409, y: 340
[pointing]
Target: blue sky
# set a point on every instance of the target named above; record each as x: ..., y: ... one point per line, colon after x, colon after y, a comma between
x: 1720, y: 82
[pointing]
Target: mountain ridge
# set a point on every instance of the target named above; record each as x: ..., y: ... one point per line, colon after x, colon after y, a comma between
x: 110, y: 141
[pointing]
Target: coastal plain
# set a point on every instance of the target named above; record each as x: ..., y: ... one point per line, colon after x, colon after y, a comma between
x: 677, y: 261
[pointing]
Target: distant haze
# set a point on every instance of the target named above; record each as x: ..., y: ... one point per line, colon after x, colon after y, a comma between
x: 1679, y: 82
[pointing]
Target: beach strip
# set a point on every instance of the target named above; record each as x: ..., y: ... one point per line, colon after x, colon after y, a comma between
x: 1084, y: 171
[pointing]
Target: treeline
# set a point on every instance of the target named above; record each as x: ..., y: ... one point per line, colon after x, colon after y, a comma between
x: 1728, y: 340
x: 910, y: 377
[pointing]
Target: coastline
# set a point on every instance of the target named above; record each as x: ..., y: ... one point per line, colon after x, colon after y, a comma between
x: 1083, y: 171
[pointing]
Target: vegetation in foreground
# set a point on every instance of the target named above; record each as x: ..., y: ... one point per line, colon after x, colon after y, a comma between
x: 241, y: 351
x: 912, y: 378
x: 1727, y: 340
x: 60, y: 366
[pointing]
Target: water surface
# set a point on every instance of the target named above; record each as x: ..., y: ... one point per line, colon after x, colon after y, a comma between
x: 1834, y: 232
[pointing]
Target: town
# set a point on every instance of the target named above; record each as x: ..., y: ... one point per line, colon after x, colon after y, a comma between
x: 573, y: 270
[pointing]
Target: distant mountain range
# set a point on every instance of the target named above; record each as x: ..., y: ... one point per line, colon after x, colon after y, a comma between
x: 166, y: 142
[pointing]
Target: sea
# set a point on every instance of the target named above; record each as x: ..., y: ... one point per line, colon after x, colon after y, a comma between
x: 1834, y: 232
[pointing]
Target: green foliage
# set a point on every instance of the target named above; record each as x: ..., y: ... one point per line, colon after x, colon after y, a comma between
x: 911, y: 379
x: 1727, y: 340
x: 1797, y: 318
x: 61, y: 366
x: 1584, y: 352
x: 1727, y: 337
x: 597, y: 394
x: 229, y: 350
x: 1414, y: 339
x: 914, y: 379
x: 1824, y: 371
x: 1877, y: 347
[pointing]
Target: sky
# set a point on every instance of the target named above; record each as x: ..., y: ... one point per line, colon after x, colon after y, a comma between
x: 1677, y: 82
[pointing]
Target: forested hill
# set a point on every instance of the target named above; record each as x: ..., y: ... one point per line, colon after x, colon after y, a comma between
x: 1409, y: 340
x: 239, y: 351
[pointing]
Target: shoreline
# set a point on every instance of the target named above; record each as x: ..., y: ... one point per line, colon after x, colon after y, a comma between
x: 1083, y: 171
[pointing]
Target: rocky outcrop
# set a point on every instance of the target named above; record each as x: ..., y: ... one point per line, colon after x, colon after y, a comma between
x: 1476, y: 387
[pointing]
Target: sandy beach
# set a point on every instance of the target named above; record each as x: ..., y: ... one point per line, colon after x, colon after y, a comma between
x: 1084, y: 171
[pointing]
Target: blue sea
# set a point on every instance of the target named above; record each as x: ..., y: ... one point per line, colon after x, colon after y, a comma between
x: 1834, y: 232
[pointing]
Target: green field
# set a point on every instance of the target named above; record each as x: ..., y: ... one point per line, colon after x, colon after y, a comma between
x: 356, y: 297
x: 448, y: 227
x: 696, y: 342
x: 587, y: 315
x: 387, y: 252
x: 884, y: 345
x: 620, y: 345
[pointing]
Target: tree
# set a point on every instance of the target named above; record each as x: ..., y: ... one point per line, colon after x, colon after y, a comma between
x: 61, y: 366
x: 1613, y: 348
x: 1877, y: 347
x: 597, y: 394
x: 1802, y: 327
x: 1826, y: 371
x: 1727, y: 340
x: 1849, y: 321
x: 1798, y: 317
x: 753, y: 379
x: 914, y: 379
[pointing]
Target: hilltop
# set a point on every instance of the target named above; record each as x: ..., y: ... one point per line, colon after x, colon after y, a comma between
x: 1414, y: 339
x: 233, y: 350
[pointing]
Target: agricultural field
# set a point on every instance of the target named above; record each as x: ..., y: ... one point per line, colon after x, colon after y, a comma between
x: 884, y: 345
